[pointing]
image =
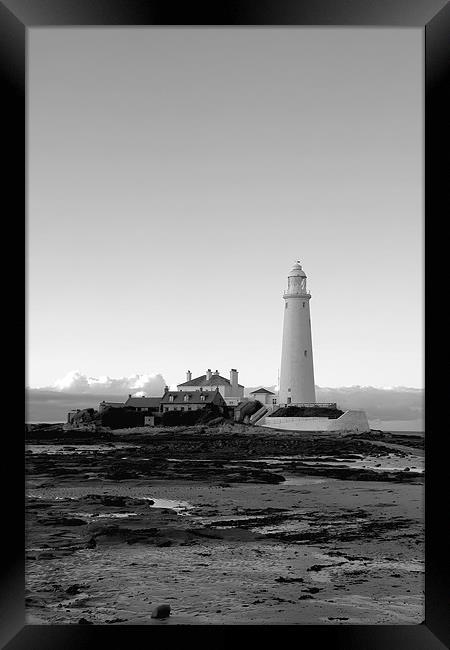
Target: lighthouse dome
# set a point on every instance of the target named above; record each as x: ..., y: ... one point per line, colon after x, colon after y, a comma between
x: 297, y: 271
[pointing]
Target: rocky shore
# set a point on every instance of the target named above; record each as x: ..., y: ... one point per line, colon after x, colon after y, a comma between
x: 228, y: 524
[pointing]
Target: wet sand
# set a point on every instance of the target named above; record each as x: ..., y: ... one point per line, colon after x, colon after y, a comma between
x: 274, y: 539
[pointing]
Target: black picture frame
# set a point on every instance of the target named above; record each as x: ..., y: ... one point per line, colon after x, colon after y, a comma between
x: 16, y: 17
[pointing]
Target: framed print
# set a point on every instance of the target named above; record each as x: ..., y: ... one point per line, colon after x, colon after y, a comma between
x: 183, y: 172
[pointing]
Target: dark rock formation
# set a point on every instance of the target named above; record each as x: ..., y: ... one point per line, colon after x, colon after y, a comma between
x: 161, y: 611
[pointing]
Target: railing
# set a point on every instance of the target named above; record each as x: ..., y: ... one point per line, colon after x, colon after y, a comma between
x: 331, y: 405
x: 258, y: 415
x: 296, y: 294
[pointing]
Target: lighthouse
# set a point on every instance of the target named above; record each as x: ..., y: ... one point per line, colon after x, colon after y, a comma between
x: 297, y: 370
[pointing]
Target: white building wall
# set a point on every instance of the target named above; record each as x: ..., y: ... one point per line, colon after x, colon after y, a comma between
x: 297, y: 424
x: 264, y: 398
x: 354, y: 421
x: 188, y: 389
x: 232, y: 401
x: 192, y: 389
x: 225, y: 390
x: 182, y: 407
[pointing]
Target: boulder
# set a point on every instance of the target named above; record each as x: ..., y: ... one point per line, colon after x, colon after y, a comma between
x: 163, y: 543
x: 161, y: 611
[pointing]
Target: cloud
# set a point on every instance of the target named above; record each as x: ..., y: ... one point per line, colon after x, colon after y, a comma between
x: 383, y: 404
x: 76, y: 382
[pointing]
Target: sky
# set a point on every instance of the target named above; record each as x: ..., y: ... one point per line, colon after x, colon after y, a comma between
x: 174, y: 176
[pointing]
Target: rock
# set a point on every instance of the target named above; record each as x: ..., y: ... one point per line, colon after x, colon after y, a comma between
x: 318, y: 567
x: 116, y: 620
x: 62, y: 521
x: 84, y: 621
x: 73, y: 589
x: 406, y: 469
x: 161, y: 611
x: 281, y: 579
x: 91, y: 543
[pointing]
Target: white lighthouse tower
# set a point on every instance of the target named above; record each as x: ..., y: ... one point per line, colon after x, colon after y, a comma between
x: 297, y: 370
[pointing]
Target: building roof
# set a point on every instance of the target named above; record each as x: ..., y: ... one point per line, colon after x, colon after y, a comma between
x: 215, y: 380
x: 113, y: 404
x: 193, y: 397
x: 240, y: 405
x: 143, y: 402
x: 262, y: 390
x: 198, y: 381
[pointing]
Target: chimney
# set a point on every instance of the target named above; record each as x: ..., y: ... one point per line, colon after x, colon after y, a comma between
x: 208, y: 374
x: 188, y: 375
x: 216, y: 372
x: 129, y: 395
x: 234, y: 379
x: 166, y: 389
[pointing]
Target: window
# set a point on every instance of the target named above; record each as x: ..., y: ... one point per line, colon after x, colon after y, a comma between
x: 286, y: 305
x: 289, y: 400
x: 170, y: 398
x: 202, y: 398
x: 305, y: 353
x: 303, y: 304
x: 188, y: 408
x: 289, y: 390
x: 186, y: 398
